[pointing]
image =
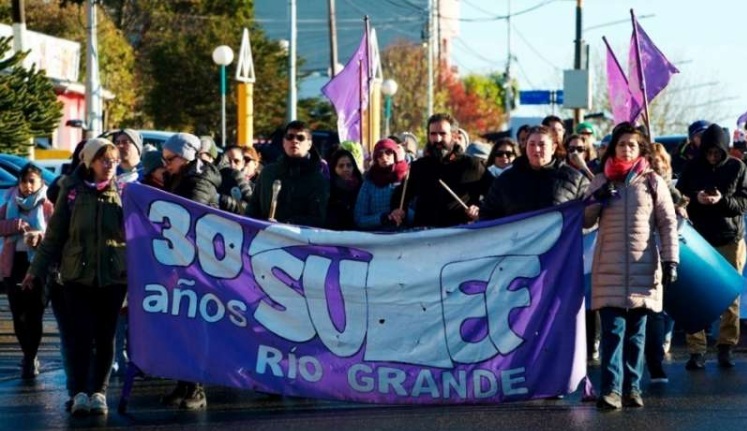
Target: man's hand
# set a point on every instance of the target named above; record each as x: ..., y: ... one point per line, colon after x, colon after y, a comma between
x: 473, y: 212
x: 706, y: 198
x: 28, y: 282
x: 669, y: 274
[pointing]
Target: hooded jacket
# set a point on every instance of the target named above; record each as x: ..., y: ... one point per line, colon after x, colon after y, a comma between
x: 85, y: 234
x: 198, y: 182
x: 722, y: 223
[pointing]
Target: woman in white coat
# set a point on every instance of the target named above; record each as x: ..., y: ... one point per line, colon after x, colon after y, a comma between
x: 633, y: 206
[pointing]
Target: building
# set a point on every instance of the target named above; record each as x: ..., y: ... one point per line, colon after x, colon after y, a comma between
x: 60, y: 59
x: 393, y: 20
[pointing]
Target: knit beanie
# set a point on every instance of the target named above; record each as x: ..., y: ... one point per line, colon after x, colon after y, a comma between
x: 151, y: 161
x: 184, y: 145
x: 207, y: 146
x: 135, y: 137
x: 92, y: 147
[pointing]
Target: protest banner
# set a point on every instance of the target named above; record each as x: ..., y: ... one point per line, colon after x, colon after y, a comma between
x: 485, y: 313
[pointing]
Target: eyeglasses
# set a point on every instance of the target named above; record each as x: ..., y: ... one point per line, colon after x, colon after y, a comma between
x: 504, y: 154
x: 576, y: 149
x: 168, y: 160
x: 300, y: 137
x: 109, y: 162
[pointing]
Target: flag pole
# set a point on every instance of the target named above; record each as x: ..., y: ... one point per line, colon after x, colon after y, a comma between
x: 641, y: 75
x: 369, y: 117
x: 617, y: 62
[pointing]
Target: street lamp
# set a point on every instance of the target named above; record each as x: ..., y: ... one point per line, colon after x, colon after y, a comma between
x: 388, y: 88
x: 223, y: 56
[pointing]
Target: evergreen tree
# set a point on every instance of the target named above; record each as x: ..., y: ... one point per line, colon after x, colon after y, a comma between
x: 28, y: 103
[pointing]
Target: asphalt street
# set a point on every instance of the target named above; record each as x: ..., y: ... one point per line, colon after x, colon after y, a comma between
x: 712, y: 399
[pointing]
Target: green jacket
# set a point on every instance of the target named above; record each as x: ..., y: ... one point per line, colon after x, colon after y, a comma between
x: 303, y: 196
x: 85, y: 234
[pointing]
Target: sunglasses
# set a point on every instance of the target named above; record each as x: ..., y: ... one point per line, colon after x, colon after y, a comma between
x: 300, y: 137
x: 504, y: 153
x: 576, y: 149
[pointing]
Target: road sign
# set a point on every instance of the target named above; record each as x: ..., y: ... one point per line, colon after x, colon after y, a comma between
x: 541, y: 97
x: 535, y: 97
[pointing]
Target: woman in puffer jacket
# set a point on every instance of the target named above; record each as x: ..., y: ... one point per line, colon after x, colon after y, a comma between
x: 633, y: 205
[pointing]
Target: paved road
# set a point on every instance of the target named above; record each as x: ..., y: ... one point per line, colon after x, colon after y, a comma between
x: 711, y: 400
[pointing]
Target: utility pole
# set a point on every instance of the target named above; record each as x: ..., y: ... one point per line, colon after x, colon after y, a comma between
x: 430, y: 58
x: 507, y: 90
x: 332, y: 39
x: 93, y: 84
x: 577, y: 63
x: 292, y: 96
x: 19, y: 29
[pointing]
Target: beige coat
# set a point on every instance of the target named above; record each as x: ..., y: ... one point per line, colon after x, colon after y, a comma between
x: 626, y: 272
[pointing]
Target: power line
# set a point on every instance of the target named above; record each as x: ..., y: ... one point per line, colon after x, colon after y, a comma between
x: 534, y: 50
x: 473, y: 52
x: 500, y: 17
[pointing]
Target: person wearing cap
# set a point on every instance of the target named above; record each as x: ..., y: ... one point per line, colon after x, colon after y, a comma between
x: 235, y: 190
x: 444, y: 160
x: 586, y: 130
x: 374, y: 209
x: 478, y: 150
x: 410, y: 145
x: 208, y: 149
x: 716, y: 185
x: 130, y: 145
x: 304, y: 191
x: 86, y: 236
x: 192, y: 178
x: 688, y: 150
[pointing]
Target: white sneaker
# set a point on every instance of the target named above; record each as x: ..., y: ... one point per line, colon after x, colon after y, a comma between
x: 81, y: 405
x: 98, y: 404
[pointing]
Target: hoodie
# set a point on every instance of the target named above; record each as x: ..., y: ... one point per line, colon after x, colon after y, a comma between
x: 721, y: 223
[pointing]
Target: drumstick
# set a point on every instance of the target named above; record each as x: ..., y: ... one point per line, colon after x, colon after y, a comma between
x: 276, y: 185
x: 579, y: 161
x: 451, y: 192
x: 404, y: 190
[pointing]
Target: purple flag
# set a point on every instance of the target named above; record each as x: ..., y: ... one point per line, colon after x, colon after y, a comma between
x: 486, y: 313
x: 742, y: 119
x: 348, y: 92
x: 618, y: 90
x: 654, y: 68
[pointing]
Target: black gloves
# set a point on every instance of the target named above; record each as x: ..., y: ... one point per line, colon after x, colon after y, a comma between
x: 605, y: 193
x: 669, y: 270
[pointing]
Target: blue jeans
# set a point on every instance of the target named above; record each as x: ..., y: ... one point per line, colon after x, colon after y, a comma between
x: 656, y: 330
x: 623, y: 341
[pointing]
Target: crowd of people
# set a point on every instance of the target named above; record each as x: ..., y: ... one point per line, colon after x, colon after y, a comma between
x: 65, y: 243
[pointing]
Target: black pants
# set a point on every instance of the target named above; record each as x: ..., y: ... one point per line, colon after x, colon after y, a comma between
x: 93, y: 313
x: 27, y: 307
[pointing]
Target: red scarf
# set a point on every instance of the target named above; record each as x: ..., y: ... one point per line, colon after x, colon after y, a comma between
x: 388, y: 175
x: 617, y: 170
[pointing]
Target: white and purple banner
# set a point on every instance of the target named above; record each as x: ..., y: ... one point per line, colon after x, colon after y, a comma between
x: 486, y: 313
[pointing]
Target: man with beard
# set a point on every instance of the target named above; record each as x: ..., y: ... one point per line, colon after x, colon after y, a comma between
x: 444, y: 161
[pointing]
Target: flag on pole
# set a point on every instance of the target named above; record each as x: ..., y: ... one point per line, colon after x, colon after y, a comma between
x: 621, y: 100
x: 652, y: 73
x: 349, y: 91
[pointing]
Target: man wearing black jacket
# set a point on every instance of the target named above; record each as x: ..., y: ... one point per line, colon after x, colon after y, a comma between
x: 717, y: 187
x: 445, y: 161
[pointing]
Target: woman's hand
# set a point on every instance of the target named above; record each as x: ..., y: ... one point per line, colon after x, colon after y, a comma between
x: 28, y: 282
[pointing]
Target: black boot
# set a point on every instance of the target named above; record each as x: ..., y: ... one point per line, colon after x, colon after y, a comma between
x: 696, y: 362
x: 725, y: 359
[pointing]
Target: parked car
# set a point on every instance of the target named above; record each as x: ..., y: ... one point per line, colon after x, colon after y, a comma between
x: 13, y: 165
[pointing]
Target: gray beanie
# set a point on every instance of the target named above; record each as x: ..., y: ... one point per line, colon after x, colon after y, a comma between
x: 184, y: 145
x: 135, y: 137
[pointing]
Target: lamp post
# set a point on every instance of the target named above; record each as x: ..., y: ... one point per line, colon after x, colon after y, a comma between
x: 388, y: 88
x: 223, y: 56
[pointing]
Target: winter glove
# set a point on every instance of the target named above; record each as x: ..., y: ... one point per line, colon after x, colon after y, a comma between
x: 669, y: 273
x: 605, y: 193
